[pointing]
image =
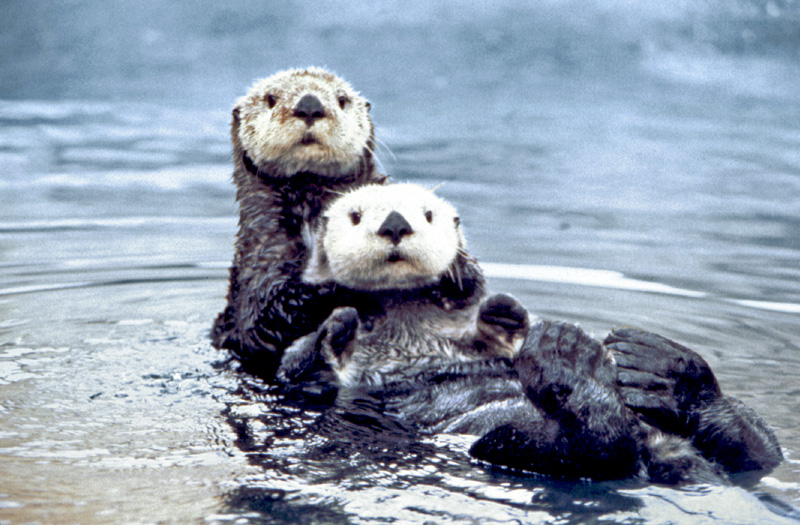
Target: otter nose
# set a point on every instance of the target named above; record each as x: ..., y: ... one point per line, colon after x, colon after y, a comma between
x: 309, y: 109
x: 395, y: 227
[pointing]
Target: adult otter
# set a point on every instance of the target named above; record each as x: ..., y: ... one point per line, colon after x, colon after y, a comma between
x: 299, y: 137
x: 420, y: 344
x: 398, y: 256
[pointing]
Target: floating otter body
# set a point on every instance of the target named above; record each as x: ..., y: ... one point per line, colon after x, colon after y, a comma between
x: 299, y: 137
x: 637, y: 388
x: 420, y: 344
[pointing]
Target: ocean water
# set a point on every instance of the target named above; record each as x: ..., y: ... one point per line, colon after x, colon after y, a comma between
x: 614, y: 165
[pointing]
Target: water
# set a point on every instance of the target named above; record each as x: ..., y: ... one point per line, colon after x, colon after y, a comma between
x: 635, y: 166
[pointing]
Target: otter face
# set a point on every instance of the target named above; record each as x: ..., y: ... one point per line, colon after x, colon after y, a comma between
x: 303, y: 120
x: 398, y: 236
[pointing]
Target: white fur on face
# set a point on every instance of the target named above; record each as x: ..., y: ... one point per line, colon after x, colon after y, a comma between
x: 274, y: 136
x: 356, y: 256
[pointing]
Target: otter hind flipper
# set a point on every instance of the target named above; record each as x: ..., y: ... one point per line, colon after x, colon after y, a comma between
x: 666, y: 370
x: 673, y: 388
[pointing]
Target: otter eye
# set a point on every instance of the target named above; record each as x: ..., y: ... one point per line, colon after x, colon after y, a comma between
x: 355, y: 217
x: 271, y: 100
x: 457, y: 221
x: 343, y: 100
x: 429, y: 216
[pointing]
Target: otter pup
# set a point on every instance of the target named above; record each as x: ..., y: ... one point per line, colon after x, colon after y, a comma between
x: 299, y: 138
x: 414, y: 296
x: 421, y: 344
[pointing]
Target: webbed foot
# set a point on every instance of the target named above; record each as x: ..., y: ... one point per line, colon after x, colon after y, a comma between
x: 661, y: 379
x: 674, y: 389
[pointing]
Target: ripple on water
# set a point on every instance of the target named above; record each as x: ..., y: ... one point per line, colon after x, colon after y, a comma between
x: 154, y: 404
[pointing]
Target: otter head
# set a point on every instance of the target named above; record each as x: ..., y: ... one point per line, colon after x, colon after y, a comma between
x: 302, y: 120
x: 399, y: 236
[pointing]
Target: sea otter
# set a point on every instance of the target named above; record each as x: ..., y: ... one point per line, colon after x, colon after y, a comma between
x: 299, y: 137
x: 398, y: 258
x: 422, y: 345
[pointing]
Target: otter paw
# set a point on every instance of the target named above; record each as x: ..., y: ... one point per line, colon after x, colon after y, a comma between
x: 336, y: 335
x: 503, y: 311
x: 503, y: 324
x: 659, y: 378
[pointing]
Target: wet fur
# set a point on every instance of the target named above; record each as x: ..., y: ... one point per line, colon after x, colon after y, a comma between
x: 443, y: 357
x: 663, y: 418
x: 672, y: 388
x: 553, y: 409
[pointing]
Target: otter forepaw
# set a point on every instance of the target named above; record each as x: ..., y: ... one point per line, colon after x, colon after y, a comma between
x: 336, y: 335
x: 503, y: 323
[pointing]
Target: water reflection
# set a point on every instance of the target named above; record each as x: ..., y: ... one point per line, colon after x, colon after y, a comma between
x: 329, y: 467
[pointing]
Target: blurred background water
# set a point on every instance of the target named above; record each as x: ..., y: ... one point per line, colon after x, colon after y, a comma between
x: 614, y: 164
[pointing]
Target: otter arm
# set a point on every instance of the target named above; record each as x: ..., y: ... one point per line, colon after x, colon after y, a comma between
x: 287, y: 310
x: 673, y: 388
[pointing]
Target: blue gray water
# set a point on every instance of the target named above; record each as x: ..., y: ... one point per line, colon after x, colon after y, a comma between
x: 613, y: 164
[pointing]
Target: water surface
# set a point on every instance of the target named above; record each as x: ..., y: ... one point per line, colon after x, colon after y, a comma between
x: 613, y: 165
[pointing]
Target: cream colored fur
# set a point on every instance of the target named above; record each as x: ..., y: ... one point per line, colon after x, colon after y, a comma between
x: 272, y: 137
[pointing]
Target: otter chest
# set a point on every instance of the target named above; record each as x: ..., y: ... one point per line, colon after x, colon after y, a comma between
x: 414, y: 333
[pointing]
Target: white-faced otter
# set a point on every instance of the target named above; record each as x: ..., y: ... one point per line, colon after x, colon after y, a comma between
x: 398, y: 254
x: 408, y: 348
x: 299, y: 137
x: 421, y: 346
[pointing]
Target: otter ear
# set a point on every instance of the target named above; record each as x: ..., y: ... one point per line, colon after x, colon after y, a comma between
x: 235, y: 113
x: 368, y: 105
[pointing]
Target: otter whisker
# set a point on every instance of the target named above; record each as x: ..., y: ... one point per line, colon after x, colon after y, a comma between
x: 463, y: 253
x: 370, y: 147
x: 385, y: 146
x: 457, y: 280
